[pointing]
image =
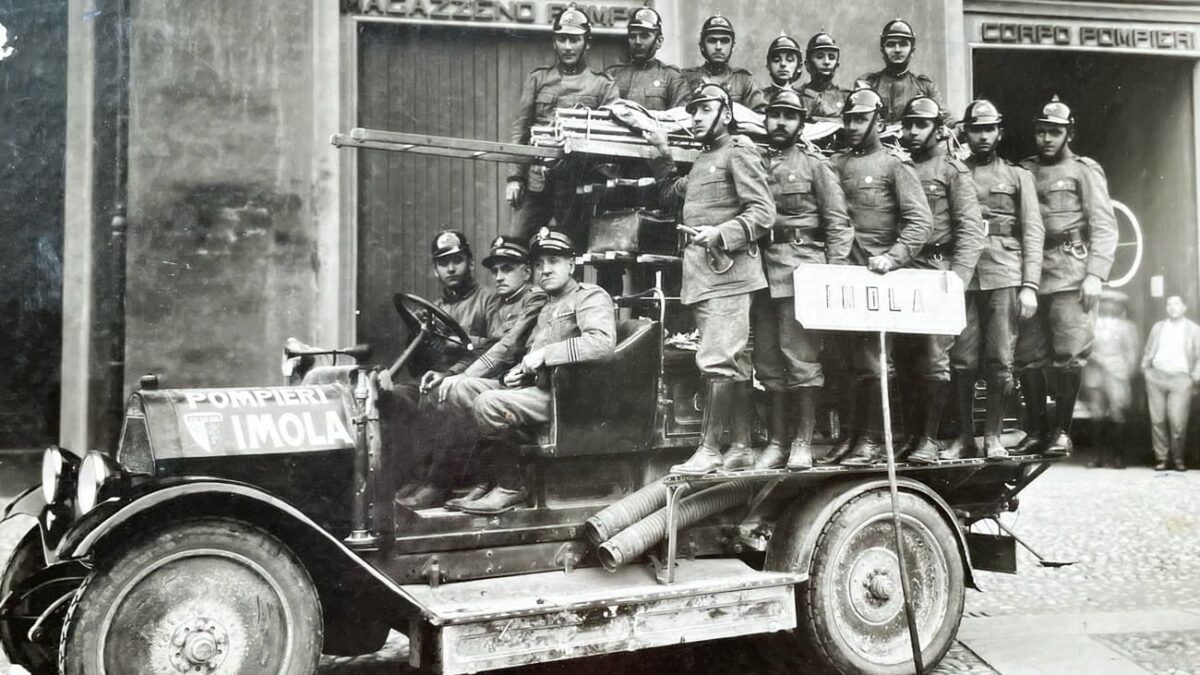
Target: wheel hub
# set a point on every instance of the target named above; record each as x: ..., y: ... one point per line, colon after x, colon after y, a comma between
x: 881, y: 586
x: 873, y: 595
x: 200, y: 646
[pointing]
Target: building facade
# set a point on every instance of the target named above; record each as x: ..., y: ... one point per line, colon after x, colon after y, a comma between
x: 245, y: 226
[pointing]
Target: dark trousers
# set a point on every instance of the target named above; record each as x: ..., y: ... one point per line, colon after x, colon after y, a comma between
x: 1058, y: 336
x: 990, y: 337
x: 786, y: 356
x: 1170, y: 399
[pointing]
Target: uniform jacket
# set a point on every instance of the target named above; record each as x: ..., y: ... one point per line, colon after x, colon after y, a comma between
x: 1012, y: 249
x: 549, y: 87
x: 727, y: 188
x: 1073, y: 194
x: 654, y: 85
x: 886, y: 203
x: 737, y: 81
x: 955, y: 208
x: 513, y: 321
x: 472, y: 309
x: 577, y: 325
x: 1191, y: 341
x: 824, y: 101
x: 765, y: 94
x: 897, y: 90
x: 809, y: 199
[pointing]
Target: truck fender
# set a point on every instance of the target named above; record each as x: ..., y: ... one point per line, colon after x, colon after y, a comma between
x: 29, y: 503
x: 236, y: 500
x: 800, y: 526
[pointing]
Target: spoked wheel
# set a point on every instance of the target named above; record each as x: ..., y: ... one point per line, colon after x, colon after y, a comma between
x: 851, y: 611
x: 206, y: 597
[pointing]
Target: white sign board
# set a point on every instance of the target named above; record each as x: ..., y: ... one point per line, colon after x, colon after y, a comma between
x: 853, y: 298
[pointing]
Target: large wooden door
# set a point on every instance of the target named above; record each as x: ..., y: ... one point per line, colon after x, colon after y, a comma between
x: 449, y: 82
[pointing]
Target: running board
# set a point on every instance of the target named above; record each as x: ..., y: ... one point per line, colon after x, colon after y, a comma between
x: 515, y: 621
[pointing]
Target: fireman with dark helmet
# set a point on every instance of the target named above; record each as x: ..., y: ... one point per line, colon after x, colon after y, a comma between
x: 784, y: 68
x: 895, y: 83
x: 892, y: 223
x: 954, y: 244
x: 540, y: 194
x: 1004, y: 290
x: 821, y: 95
x: 1080, y: 242
x: 811, y: 226
x: 717, y: 38
x: 727, y: 207
x: 644, y: 79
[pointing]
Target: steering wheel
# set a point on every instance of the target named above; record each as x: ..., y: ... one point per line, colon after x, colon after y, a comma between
x: 418, y: 314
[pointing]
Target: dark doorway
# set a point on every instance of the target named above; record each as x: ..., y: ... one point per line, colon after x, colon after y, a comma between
x: 448, y: 82
x: 33, y: 126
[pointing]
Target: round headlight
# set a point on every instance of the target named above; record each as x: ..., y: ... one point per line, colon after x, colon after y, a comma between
x: 94, y: 473
x: 52, y: 469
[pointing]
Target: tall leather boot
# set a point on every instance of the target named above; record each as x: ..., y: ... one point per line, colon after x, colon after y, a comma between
x: 870, y: 448
x: 853, y: 420
x: 964, y: 445
x: 1069, y: 382
x: 772, y: 456
x: 1033, y: 388
x: 908, y: 432
x: 804, y: 401
x: 998, y: 390
x: 707, y: 457
x: 740, y: 456
x: 926, y: 450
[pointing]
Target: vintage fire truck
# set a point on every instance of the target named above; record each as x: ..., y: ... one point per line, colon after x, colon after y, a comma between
x: 250, y: 530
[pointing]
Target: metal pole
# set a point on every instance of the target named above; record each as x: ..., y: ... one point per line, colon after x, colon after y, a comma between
x: 905, y: 587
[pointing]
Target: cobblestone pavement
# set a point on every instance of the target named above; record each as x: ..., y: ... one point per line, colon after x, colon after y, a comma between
x: 1135, y: 535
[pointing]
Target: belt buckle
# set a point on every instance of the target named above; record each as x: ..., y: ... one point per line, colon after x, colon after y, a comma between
x: 1076, y: 249
x: 937, y: 256
x: 987, y: 227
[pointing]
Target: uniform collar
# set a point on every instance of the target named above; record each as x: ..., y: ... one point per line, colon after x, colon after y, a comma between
x: 577, y: 69
x: 887, y: 69
x: 715, y: 69
x: 644, y: 66
x: 468, y: 290
x: 932, y: 152
x: 812, y: 84
x: 869, y: 149
x: 566, y: 290
x: 515, y: 296
x: 772, y: 151
x: 720, y: 142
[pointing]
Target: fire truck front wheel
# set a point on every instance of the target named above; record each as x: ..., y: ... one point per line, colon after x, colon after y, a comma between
x: 851, y: 611
x: 210, y: 595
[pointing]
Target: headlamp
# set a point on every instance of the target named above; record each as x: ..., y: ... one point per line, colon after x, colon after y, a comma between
x: 97, y: 475
x: 59, y: 470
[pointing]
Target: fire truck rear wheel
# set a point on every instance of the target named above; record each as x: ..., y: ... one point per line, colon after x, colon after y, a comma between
x: 202, y: 596
x: 851, y: 612
x: 26, y: 559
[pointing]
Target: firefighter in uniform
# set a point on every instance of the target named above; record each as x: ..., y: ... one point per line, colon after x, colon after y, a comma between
x: 892, y: 222
x: 954, y: 244
x: 1081, y: 239
x: 727, y: 204
x: 716, y: 46
x: 783, y: 69
x: 895, y: 83
x: 644, y: 79
x: 1004, y: 289
x: 540, y: 194
x: 576, y: 324
x: 472, y: 306
x: 811, y: 226
x: 822, y: 97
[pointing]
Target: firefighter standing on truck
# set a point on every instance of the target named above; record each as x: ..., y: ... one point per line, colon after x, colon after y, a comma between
x: 954, y: 244
x: 716, y: 46
x: 1081, y: 239
x: 822, y: 97
x: 644, y: 79
x: 895, y: 83
x: 811, y: 226
x: 1004, y: 289
x: 539, y: 193
x: 727, y: 206
x: 892, y: 222
x: 784, y: 67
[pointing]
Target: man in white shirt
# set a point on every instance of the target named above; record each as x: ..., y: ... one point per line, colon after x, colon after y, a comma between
x: 1172, y: 366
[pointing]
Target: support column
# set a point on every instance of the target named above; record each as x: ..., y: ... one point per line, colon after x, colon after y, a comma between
x: 958, y: 64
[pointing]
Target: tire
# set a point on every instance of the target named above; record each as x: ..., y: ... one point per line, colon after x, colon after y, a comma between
x: 211, y: 596
x: 850, y: 613
x: 37, y: 658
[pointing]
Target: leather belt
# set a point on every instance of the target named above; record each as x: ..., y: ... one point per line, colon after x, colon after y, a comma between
x: 1072, y: 242
x: 994, y: 229
x: 938, y: 251
x: 795, y: 235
